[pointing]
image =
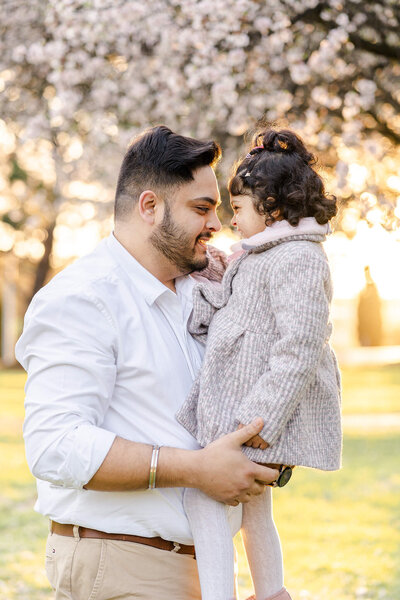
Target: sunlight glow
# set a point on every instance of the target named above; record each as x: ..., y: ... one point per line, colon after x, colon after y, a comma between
x: 394, y: 183
x: 85, y: 191
x: 32, y: 248
x: 70, y: 243
x: 224, y: 239
x: 358, y: 175
x: 371, y: 246
x: 7, y: 139
x: 6, y: 237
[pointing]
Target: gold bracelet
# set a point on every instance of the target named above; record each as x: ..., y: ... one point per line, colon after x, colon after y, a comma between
x: 153, y: 467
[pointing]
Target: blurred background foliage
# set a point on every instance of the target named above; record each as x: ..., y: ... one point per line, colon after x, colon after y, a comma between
x: 79, y: 78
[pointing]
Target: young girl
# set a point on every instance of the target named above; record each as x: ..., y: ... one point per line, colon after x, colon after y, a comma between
x: 267, y: 354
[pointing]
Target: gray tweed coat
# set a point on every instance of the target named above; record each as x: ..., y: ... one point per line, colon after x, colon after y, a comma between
x: 267, y: 354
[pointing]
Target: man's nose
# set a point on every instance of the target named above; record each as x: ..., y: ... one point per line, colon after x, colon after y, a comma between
x: 214, y: 223
x: 233, y: 221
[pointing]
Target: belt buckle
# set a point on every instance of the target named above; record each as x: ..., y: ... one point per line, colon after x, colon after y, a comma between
x: 176, y: 547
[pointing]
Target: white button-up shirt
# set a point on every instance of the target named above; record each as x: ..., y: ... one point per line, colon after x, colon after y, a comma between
x: 108, y: 353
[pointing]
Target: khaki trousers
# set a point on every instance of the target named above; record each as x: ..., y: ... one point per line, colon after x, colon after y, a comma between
x: 90, y: 569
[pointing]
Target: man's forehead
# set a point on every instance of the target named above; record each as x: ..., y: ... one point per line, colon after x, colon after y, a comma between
x: 203, y: 187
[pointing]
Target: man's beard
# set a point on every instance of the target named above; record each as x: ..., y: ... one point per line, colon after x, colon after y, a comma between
x: 177, y: 246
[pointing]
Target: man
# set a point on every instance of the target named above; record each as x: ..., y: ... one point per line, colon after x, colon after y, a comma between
x: 109, y: 363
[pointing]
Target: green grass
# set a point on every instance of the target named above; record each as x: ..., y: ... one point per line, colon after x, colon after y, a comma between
x: 22, y: 531
x: 340, y: 531
x: 372, y: 390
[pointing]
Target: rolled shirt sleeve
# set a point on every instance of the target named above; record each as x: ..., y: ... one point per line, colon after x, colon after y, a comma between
x: 301, y: 308
x: 68, y: 347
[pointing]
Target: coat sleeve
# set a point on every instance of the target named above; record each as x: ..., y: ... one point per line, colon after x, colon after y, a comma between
x: 207, y: 294
x: 206, y: 297
x: 300, y: 304
x: 217, y: 264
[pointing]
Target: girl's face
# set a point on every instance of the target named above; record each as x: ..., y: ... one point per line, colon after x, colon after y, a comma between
x: 245, y: 217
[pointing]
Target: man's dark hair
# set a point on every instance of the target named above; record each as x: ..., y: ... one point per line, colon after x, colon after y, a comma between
x: 278, y: 173
x: 158, y: 159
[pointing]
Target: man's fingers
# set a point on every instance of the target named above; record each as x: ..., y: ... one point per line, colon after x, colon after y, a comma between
x: 265, y: 474
x: 246, y: 432
x: 255, y: 490
x: 233, y: 502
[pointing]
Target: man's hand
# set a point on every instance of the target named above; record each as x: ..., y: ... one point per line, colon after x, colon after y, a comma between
x: 256, y: 441
x: 226, y: 474
x: 220, y: 470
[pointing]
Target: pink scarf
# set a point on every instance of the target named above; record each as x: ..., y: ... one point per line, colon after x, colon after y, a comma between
x: 277, y: 231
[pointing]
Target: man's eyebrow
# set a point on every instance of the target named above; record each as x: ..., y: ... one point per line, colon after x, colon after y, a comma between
x: 212, y: 201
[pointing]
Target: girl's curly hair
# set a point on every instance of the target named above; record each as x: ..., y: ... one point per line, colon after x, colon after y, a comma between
x: 278, y: 173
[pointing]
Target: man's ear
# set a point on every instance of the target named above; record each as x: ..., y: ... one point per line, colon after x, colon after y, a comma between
x: 147, y: 205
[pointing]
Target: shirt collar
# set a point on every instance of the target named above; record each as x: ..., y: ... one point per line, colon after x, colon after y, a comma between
x: 184, y: 286
x: 150, y: 287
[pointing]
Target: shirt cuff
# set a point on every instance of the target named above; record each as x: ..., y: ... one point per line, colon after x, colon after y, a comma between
x: 89, y: 445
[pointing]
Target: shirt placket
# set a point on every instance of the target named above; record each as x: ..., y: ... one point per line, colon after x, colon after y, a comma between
x: 172, y: 311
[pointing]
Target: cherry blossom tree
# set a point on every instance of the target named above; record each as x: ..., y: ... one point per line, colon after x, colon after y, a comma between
x: 79, y: 78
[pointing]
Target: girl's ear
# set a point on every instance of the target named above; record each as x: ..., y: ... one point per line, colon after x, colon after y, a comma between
x: 276, y: 213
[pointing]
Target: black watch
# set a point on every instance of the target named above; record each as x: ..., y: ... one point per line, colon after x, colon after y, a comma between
x: 285, y: 474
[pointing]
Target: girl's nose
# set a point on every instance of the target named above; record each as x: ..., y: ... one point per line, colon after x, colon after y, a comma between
x: 233, y: 221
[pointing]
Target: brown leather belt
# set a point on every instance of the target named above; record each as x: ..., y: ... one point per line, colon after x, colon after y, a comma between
x: 156, y: 542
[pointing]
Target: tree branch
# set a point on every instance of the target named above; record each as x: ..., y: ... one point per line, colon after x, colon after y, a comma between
x: 380, y: 48
x: 384, y: 129
x: 313, y: 16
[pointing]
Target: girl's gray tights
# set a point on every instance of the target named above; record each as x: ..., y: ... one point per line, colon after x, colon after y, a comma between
x: 214, y: 546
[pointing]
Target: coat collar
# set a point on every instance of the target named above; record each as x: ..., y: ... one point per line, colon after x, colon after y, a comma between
x: 311, y: 237
x: 282, y: 229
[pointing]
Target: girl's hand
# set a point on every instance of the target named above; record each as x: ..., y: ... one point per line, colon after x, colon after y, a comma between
x: 256, y: 441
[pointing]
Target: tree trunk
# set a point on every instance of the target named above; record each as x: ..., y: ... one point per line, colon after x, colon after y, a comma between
x: 9, y: 311
x: 44, y: 264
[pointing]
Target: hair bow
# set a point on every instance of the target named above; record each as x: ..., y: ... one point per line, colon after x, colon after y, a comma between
x: 255, y: 148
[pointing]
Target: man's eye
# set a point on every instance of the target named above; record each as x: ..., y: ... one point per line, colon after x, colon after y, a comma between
x: 203, y: 209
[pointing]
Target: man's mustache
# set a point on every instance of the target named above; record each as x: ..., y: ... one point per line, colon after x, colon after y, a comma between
x: 207, y: 235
